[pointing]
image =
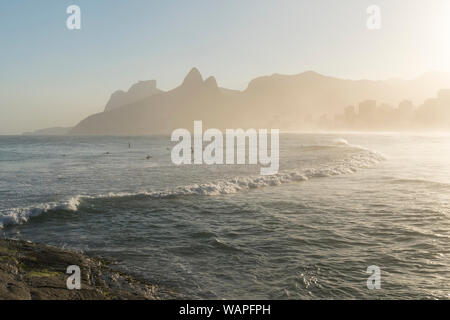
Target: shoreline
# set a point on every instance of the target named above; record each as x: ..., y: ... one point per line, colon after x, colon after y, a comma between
x: 32, y: 271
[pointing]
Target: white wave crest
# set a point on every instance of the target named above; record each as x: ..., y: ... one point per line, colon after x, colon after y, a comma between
x: 22, y: 215
x: 341, y: 142
x: 364, y: 159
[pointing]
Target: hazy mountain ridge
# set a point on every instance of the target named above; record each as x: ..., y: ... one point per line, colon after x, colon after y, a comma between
x: 137, y: 92
x: 54, y: 131
x: 157, y: 113
x: 287, y: 102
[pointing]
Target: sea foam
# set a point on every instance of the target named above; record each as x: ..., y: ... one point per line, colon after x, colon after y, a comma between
x: 22, y: 215
x: 363, y: 159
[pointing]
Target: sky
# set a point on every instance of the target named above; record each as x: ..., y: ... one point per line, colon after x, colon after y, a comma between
x: 53, y: 76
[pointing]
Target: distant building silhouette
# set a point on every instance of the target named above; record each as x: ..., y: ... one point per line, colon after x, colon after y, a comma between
x: 433, y: 114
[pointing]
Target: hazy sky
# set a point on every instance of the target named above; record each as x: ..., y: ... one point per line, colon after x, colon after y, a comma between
x: 52, y: 76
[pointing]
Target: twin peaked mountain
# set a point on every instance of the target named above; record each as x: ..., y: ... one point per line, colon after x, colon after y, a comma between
x: 286, y: 102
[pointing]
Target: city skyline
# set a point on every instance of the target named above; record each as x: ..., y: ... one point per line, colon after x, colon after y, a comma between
x: 57, y: 76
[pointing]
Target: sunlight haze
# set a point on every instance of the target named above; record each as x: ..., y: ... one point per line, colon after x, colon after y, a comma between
x: 52, y: 76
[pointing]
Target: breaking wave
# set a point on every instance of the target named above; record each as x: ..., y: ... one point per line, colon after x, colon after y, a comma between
x: 349, y: 165
x: 361, y: 160
x: 22, y: 215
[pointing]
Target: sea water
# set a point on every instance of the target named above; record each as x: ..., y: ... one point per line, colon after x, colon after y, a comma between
x: 339, y: 204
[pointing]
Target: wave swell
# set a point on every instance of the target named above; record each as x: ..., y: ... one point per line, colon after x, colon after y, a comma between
x: 22, y: 215
x: 362, y: 160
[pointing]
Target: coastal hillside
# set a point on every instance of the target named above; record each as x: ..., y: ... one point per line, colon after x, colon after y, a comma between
x: 55, y: 131
x: 287, y: 102
x: 138, y: 91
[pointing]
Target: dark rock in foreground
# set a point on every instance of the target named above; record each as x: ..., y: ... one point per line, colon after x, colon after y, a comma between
x: 35, y: 271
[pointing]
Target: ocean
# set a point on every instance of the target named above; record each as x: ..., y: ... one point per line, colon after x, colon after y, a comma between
x: 339, y: 204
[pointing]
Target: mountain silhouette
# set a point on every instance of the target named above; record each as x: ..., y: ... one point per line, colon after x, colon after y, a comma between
x: 276, y: 101
x: 137, y: 92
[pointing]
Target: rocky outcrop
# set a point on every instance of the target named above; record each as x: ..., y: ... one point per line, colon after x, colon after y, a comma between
x: 31, y: 271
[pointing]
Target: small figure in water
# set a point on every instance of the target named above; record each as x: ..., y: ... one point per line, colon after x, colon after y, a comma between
x: 148, y: 157
x: 129, y: 145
